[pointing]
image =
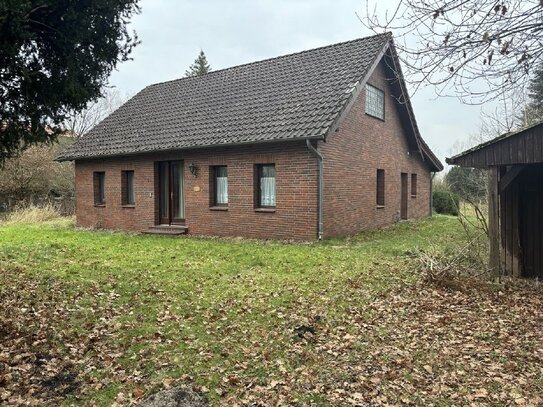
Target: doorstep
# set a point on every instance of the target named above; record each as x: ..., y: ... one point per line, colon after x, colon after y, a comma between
x: 168, y: 230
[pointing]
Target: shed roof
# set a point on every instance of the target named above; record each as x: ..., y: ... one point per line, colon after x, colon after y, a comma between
x: 293, y: 97
x: 520, y: 147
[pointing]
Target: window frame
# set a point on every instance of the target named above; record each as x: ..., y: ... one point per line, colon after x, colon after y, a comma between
x: 99, y: 188
x: 414, y: 185
x: 258, y: 187
x: 128, y: 176
x: 380, y: 92
x: 213, y: 178
x: 380, y: 189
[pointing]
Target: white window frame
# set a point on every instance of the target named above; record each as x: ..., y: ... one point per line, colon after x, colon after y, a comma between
x: 375, y: 102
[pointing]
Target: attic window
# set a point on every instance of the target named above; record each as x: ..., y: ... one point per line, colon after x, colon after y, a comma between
x: 375, y: 102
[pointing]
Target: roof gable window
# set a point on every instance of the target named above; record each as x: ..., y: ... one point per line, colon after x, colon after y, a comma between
x: 375, y: 102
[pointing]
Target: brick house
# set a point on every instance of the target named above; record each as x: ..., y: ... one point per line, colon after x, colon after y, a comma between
x: 315, y: 144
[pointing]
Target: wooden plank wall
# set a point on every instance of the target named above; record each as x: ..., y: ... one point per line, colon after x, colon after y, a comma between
x: 523, y: 148
x: 521, y: 224
x: 509, y: 228
x: 531, y: 220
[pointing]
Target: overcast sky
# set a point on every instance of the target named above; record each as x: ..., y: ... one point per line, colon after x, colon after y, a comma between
x: 234, y: 32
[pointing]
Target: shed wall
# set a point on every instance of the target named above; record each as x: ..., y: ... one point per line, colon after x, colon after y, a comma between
x: 521, y: 223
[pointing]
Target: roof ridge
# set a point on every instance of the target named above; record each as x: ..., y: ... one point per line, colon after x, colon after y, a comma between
x: 385, y: 34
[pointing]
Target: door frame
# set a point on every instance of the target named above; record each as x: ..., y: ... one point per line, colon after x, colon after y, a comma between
x: 404, y: 199
x: 172, y: 199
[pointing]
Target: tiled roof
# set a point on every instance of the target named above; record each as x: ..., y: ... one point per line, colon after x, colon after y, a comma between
x: 297, y: 96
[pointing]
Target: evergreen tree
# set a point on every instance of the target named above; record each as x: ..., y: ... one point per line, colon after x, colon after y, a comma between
x: 55, y: 58
x: 534, y: 111
x: 199, y: 67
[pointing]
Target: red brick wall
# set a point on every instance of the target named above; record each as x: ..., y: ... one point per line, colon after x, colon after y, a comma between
x: 352, y: 156
x: 362, y: 145
x: 296, y: 175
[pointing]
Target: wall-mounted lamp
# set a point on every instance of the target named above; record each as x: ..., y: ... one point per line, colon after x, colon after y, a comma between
x: 193, y: 169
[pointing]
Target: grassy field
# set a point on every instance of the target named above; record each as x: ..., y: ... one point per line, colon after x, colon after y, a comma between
x: 94, y: 317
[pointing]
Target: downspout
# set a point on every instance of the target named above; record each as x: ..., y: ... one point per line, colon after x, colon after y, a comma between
x: 432, y: 194
x: 320, y: 159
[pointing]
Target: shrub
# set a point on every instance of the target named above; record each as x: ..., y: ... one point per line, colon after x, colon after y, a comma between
x: 455, y: 267
x: 35, y: 178
x: 32, y: 214
x: 469, y: 184
x: 446, y: 202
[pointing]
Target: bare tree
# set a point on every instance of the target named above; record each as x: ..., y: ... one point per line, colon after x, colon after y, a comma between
x: 477, y: 50
x: 506, y: 117
x: 80, y: 123
x: 34, y: 177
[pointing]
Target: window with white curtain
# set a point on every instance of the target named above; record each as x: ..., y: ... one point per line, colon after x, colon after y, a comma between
x: 221, y: 185
x: 266, y: 186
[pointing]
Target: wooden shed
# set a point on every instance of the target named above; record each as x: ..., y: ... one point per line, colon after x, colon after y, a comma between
x: 515, y: 197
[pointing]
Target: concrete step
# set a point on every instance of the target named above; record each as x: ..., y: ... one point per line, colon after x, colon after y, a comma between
x: 168, y: 230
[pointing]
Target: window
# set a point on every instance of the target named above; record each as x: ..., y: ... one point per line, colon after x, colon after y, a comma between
x: 266, y: 193
x: 413, y: 185
x: 127, y: 188
x: 381, y: 188
x: 375, y: 102
x: 220, y: 185
x: 99, y: 183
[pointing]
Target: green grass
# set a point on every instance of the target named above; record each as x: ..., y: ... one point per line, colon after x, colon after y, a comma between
x: 201, y: 310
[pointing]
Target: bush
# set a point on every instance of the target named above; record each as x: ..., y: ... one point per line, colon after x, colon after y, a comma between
x: 34, y: 178
x: 446, y: 202
x: 32, y: 214
x: 458, y: 268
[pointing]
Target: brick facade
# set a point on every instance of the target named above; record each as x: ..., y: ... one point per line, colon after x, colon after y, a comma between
x: 352, y: 155
x: 362, y: 145
x: 295, y: 216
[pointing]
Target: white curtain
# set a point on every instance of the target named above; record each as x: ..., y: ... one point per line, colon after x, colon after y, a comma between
x: 267, y: 186
x: 221, y: 185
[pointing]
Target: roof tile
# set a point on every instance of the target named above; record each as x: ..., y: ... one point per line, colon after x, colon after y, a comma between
x: 295, y: 96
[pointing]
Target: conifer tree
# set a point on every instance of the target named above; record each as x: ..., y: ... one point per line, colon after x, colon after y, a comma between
x: 199, y: 67
x: 55, y: 58
x: 534, y: 111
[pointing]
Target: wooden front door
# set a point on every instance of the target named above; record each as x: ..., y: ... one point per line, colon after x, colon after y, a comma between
x: 403, y: 200
x: 171, y: 193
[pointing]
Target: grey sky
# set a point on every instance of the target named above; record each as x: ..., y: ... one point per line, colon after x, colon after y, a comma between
x: 239, y: 31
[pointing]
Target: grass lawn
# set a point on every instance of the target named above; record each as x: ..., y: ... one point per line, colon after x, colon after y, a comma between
x: 94, y: 317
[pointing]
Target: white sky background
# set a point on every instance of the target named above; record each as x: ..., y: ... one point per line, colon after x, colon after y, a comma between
x: 233, y: 32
